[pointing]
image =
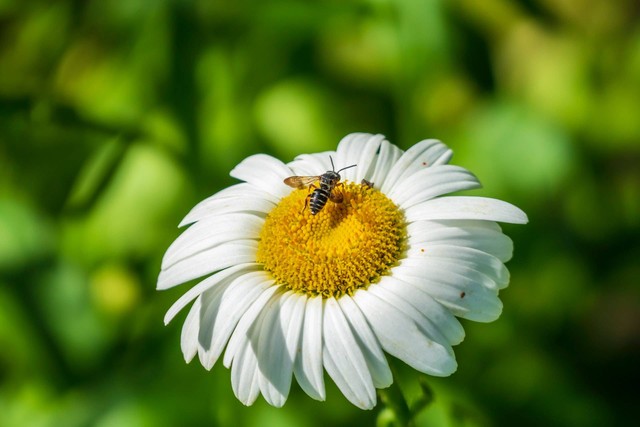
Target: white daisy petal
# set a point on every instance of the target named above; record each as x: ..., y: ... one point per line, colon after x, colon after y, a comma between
x: 424, y: 154
x: 208, y: 261
x: 434, y: 315
x: 348, y: 152
x: 247, y: 369
x: 464, y: 296
x: 277, y: 349
x: 253, y: 205
x: 208, y: 315
x: 204, y: 285
x: 475, y: 259
x: 400, y: 336
x: 360, y: 149
x: 308, y: 365
x: 312, y: 164
x: 368, y: 158
x: 387, y: 157
x: 485, y: 236
x: 464, y: 207
x: 216, y: 321
x: 242, y: 189
x: 189, y: 335
x: 240, y: 333
x: 234, y: 302
x: 462, y: 268
x: 433, y: 182
x: 440, y: 155
x: 376, y: 361
x: 211, y: 232
x: 343, y: 359
x: 245, y: 374
x: 426, y: 327
x: 241, y: 197
x: 272, y: 358
x: 264, y: 172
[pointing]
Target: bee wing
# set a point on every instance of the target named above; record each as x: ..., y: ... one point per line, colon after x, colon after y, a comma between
x: 300, y: 181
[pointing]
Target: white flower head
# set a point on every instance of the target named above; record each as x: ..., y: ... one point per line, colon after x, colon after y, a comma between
x: 386, y: 265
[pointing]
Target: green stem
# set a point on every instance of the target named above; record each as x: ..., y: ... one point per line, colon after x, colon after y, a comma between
x: 395, y: 402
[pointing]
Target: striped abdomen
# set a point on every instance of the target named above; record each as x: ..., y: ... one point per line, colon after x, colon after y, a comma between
x: 318, y: 199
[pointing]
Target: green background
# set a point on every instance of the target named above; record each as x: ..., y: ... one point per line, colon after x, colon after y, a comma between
x: 117, y: 116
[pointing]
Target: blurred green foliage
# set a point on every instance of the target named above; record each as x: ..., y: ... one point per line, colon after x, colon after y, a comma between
x: 117, y: 116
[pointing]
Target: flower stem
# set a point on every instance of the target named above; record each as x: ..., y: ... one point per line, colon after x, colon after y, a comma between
x: 397, y: 411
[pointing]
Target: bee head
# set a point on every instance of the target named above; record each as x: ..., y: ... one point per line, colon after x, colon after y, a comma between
x: 331, y: 177
x: 334, y: 176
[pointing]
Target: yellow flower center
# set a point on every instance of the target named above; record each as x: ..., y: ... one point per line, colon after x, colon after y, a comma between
x: 344, y: 247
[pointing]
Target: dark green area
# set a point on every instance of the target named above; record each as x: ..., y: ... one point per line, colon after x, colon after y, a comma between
x: 117, y: 116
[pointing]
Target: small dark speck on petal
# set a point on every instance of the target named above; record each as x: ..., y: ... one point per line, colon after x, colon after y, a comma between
x: 462, y: 294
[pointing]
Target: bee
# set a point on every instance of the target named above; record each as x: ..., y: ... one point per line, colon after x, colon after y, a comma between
x: 318, y: 198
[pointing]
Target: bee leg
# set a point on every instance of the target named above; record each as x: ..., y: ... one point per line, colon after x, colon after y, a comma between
x: 366, y: 183
x: 306, y: 202
x: 306, y: 199
x: 336, y: 196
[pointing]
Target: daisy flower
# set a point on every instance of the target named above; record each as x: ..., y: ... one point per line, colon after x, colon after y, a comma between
x: 387, y: 269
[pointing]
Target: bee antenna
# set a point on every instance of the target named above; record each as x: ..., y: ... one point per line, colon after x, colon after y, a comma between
x: 346, y: 167
x: 333, y: 168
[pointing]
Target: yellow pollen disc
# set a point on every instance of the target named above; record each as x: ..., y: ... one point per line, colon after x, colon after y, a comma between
x: 344, y: 247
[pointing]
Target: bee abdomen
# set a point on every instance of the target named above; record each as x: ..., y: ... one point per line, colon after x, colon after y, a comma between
x: 318, y: 200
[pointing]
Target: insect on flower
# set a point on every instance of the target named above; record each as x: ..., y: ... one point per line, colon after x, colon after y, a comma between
x: 328, y: 183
